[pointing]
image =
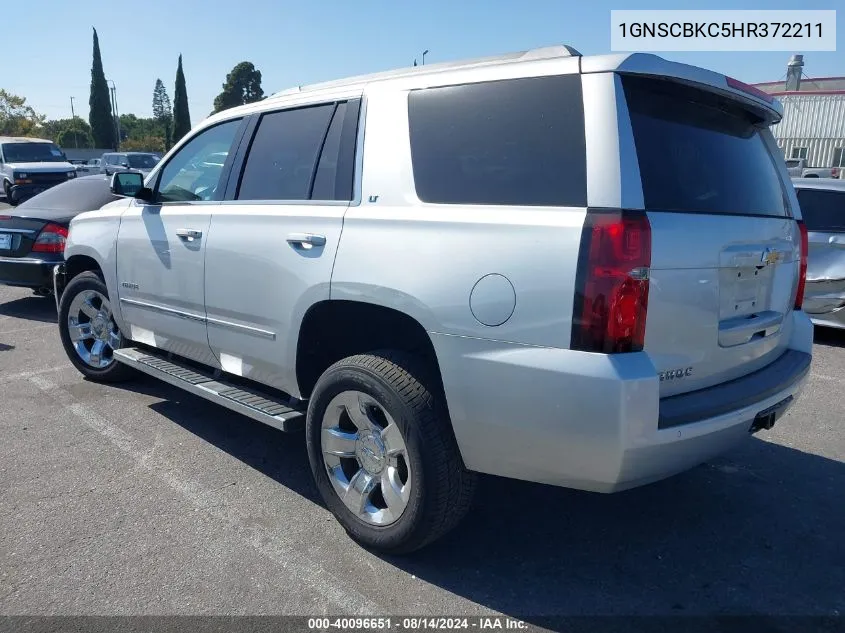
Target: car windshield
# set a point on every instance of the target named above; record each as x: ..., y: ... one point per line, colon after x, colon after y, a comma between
x: 792, y: 163
x: 143, y: 161
x: 32, y: 153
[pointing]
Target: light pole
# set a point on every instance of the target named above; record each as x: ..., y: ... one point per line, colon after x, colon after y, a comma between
x: 113, y: 90
x: 425, y: 52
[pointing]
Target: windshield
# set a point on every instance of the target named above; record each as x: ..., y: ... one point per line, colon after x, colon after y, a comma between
x: 32, y: 153
x: 792, y: 163
x: 143, y: 161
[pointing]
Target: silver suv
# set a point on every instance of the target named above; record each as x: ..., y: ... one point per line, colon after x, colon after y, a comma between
x: 582, y: 271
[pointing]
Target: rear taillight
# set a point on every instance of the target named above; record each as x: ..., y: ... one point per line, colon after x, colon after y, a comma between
x: 611, y: 293
x: 802, y: 270
x: 51, y: 239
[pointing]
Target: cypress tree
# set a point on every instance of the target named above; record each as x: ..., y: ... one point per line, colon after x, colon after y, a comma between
x: 100, y: 116
x: 181, y: 114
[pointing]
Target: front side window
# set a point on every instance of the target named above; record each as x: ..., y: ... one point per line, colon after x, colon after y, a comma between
x: 516, y: 142
x: 192, y: 174
x: 283, y: 155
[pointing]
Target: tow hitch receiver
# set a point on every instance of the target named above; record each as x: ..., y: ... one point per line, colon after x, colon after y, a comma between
x: 766, y: 419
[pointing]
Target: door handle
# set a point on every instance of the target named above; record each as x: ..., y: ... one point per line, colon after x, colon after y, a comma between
x: 306, y: 240
x: 189, y: 235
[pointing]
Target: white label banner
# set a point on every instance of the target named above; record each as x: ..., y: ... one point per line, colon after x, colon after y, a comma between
x: 681, y: 30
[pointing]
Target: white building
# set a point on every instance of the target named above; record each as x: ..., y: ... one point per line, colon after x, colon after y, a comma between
x: 813, y: 125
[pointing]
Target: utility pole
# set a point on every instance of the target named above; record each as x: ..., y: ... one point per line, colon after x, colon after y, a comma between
x: 72, y: 113
x: 113, y: 90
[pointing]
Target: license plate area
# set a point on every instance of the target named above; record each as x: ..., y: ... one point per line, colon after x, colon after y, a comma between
x: 744, y: 291
x: 767, y: 418
x: 5, y: 241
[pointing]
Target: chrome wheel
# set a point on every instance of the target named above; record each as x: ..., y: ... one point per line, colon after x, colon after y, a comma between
x: 366, y: 458
x: 92, y: 329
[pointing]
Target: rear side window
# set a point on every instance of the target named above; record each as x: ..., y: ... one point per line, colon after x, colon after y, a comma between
x: 513, y: 142
x: 701, y: 153
x: 822, y: 210
x: 283, y: 156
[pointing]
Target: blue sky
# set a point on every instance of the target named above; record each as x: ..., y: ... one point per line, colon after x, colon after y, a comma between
x: 48, y: 58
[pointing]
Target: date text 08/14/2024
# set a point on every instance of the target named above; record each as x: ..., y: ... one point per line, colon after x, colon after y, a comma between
x: 416, y: 623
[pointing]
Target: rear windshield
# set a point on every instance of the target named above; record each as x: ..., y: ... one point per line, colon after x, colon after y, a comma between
x: 701, y: 153
x: 143, y: 161
x: 822, y: 210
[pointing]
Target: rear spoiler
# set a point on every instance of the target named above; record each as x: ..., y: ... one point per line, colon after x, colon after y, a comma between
x: 651, y: 65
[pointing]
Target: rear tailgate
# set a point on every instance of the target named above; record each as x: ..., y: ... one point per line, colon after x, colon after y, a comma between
x: 17, y: 235
x: 725, y: 247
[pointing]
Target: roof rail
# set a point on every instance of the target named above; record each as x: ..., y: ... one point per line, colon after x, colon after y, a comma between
x: 547, y: 52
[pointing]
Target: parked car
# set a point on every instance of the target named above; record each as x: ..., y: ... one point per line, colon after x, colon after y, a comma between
x: 797, y: 168
x: 136, y: 161
x: 507, y: 276
x: 32, y: 238
x: 823, y: 209
x: 90, y: 166
x: 29, y: 166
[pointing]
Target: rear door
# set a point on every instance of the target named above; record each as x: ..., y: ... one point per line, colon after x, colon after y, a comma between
x: 823, y: 212
x: 725, y: 247
x: 272, y: 243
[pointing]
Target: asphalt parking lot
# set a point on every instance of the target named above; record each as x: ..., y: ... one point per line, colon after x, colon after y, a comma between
x: 141, y: 499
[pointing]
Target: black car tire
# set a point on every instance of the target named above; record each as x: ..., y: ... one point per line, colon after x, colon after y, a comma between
x: 115, y: 371
x: 442, y: 489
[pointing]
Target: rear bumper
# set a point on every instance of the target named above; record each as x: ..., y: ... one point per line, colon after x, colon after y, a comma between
x: 592, y: 421
x: 28, y: 272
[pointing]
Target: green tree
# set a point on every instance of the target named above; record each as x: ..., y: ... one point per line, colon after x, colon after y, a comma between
x: 181, y: 114
x: 100, y: 117
x: 135, y: 130
x: 243, y: 85
x: 66, y: 133
x: 16, y: 117
x: 162, y: 111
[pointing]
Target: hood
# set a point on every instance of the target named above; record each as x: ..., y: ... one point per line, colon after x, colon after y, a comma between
x: 40, y: 168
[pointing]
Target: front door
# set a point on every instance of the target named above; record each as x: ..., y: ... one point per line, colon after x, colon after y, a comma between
x: 161, y: 249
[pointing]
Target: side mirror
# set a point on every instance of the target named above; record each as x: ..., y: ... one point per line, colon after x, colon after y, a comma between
x: 124, y: 164
x: 126, y: 183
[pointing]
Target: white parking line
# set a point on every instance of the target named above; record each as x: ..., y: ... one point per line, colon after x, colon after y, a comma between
x: 301, y: 570
x: 29, y: 329
x: 29, y: 374
x: 828, y: 378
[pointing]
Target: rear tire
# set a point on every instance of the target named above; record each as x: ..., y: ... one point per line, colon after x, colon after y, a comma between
x: 88, y: 332
x: 430, y: 490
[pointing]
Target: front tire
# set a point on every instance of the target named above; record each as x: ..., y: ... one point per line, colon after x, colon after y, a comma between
x: 383, y: 453
x: 88, y: 331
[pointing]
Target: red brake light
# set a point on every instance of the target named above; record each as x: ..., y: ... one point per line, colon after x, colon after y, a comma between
x: 611, y: 294
x: 51, y: 239
x: 802, y: 271
x: 748, y: 89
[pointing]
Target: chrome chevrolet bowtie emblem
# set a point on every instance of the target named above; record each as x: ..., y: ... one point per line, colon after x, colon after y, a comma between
x: 770, y: 257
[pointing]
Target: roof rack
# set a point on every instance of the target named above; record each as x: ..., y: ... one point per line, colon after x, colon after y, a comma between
x: 547, y: 52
